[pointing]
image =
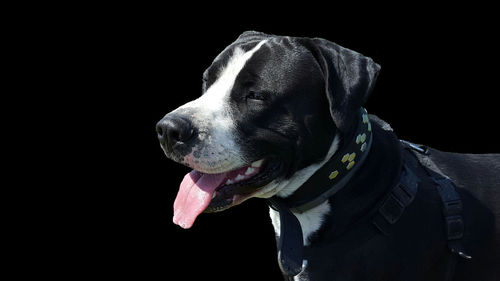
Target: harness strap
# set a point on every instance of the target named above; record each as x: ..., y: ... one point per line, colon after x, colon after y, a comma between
x: 399, y: 199
x: 452, y: 204
x: 290, y: 242
x: 451, y: 208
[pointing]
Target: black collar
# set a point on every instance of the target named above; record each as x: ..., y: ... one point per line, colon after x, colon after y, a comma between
x: 323, y: 184
x: 335, y: 173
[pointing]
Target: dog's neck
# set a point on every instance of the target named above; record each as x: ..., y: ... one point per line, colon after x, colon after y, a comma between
x: 357, y: 197
x: 307, y: 195
x: 369, y: 186
x: 337, y: 172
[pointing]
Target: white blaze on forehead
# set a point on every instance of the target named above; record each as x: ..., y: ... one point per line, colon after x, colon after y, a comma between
x: 224, y: 84
x: 216, y: 96
x: 218, y: 150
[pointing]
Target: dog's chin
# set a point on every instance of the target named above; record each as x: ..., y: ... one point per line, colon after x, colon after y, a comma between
x: 245, y: 182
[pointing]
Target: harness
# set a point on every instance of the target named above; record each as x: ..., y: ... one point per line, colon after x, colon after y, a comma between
x: 403, y: 194
x: 451, y: 207
x: 339, y: 170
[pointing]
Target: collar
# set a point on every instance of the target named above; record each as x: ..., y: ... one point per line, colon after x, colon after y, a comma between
x: 323, y: 184
x: 335, y: 173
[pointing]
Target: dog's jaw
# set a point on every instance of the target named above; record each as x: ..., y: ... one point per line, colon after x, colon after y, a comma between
x: 285, y: 187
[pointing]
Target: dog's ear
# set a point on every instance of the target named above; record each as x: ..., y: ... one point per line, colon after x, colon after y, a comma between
x: 349, y: 78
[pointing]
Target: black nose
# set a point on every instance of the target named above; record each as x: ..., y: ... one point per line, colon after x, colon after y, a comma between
x: 173, y: 130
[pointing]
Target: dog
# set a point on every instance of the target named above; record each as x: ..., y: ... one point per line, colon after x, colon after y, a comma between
x: 281, y: 118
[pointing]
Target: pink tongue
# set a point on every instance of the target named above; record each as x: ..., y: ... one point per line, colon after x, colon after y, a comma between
x: 194, y: 196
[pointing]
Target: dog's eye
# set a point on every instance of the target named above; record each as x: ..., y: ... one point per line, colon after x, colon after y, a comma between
x: 256, y: 96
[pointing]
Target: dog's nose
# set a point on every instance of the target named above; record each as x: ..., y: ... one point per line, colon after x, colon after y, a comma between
x: 173, y: 130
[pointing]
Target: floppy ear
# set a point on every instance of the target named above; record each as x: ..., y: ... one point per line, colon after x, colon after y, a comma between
x: 349, y: 79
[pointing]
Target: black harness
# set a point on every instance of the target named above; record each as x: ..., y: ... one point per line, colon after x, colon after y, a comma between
x: 403, y: 194
x: 451, y: 207
x: 339, y: 170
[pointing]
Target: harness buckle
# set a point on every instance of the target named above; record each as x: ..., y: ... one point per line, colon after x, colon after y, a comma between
x: 452, y: 204
x: 452, y: 208
x: 419, y: 148
x: 454, y: 227
x: 392, y: 209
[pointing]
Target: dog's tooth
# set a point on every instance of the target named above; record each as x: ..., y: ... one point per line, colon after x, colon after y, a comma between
x: 239, y: 177
x: 229, y: 182
x: 249, y: 171
x: 257, y: 164
x: 213, y: 195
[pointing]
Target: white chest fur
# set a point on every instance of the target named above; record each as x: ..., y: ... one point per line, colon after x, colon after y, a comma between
x: 310, y: 221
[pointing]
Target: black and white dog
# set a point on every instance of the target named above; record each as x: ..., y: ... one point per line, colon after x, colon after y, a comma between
x: 281, y: 118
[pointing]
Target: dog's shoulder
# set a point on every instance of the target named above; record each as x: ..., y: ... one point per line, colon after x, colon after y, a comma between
x: 384, y: 125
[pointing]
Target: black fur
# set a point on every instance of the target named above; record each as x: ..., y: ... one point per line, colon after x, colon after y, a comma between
x: 309, y: 91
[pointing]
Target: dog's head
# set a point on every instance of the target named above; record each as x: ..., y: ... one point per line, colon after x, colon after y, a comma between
x: 272, y: 109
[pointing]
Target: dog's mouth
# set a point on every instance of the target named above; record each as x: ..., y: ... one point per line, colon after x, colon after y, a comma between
x: 200, y: 192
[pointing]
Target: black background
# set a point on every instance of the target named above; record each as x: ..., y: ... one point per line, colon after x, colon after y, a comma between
x: 125, y: 69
